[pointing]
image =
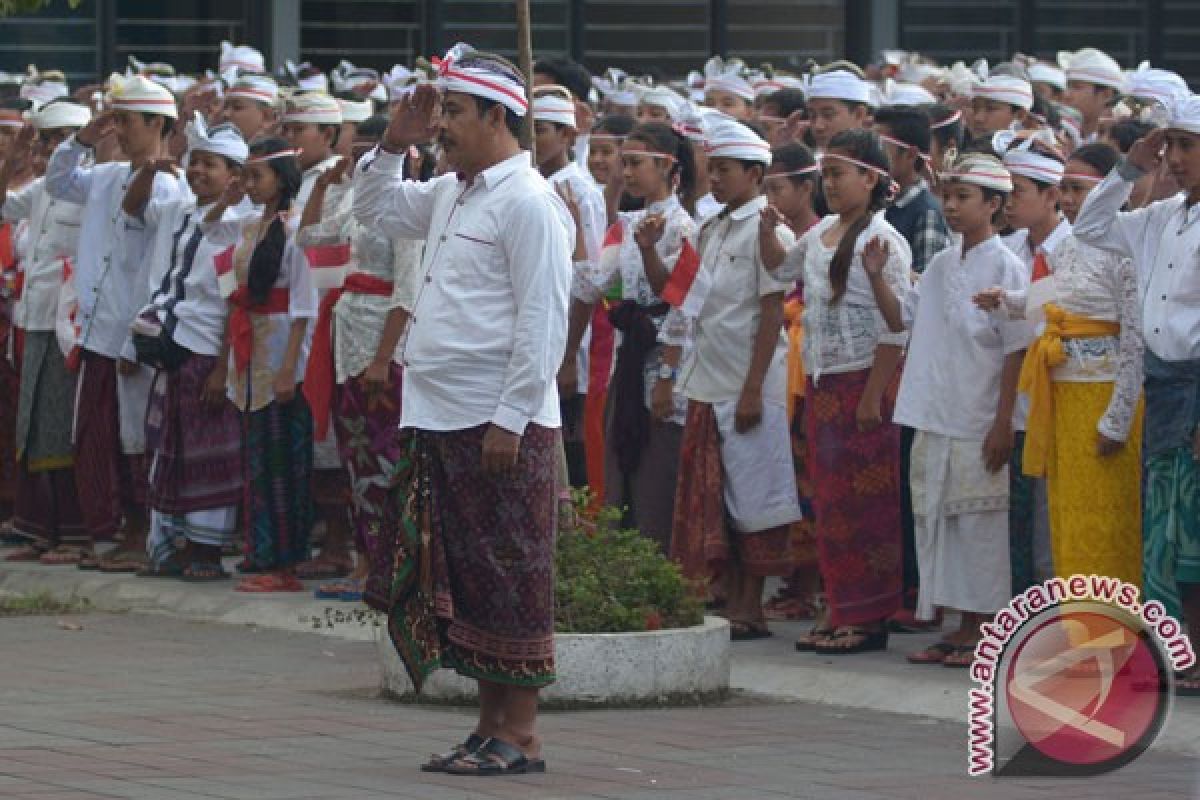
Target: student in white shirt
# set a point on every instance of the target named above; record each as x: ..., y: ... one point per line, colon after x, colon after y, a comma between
x: 252, y: 105
x: 112, y: 283
x: 958, y: 391
x: 1084, y: 424
x: 736, y: 459
x: 196, y: 452
x: 46, y: 510
x: 854, y: 267
x: 269, y: 336
x: 645, y: 425
x: 1163, y: 240
x: 555, y: 131
x: 484, y: 347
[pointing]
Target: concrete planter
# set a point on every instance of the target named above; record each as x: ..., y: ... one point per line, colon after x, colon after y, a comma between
x: 667, y: 667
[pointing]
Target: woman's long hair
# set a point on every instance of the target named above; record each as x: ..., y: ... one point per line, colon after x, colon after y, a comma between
x: 266, y: 261
x: 865, y: 146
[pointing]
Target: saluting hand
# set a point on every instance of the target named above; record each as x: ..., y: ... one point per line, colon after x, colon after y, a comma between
x: 414, y: 119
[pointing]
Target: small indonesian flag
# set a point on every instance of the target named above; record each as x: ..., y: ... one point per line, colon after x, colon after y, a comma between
x: 226, y: 277
x: 688, y: 286
x: 329, y: 265
x: 66, y: 321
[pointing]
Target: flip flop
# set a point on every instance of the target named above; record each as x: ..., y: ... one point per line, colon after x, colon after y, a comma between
x: 270, y: 582
x: 808, y: 642
x: 439, y: 763
x: 28, y: 553
x: 869, y: 641
x: 962, y: 657
x: 61, y: 557
x: 495, y: 757
x: 934, y: 654
x: 333, y: 590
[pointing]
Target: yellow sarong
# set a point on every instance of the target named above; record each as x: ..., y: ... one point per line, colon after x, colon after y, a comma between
x: 1046, y: 353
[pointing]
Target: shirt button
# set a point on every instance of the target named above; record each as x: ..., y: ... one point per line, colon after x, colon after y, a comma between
x: 1164, y: 297
x: 443, y: 238
x: 429, y: 279
x: 1170, y: 266
x: 1156, y: 330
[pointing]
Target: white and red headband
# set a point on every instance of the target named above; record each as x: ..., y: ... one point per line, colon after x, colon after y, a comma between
x: 480, y: 79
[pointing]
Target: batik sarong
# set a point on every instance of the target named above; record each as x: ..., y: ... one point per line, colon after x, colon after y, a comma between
x: 278, y: 497
x: 856, y: 497
x: 368, y: 435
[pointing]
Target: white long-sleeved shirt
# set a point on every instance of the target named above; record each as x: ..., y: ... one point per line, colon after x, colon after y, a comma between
x: 1163, y: 240
x: 489, y: 324
x: 53, y: 234
x: 112, y: 271
x: 951, y: 380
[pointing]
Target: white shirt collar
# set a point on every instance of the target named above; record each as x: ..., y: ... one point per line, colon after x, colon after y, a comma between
x: 749, y: 209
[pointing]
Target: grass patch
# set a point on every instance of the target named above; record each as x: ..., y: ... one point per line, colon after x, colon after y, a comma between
x: 43, y: 602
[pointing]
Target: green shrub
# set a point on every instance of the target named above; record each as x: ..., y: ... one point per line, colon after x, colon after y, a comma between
x: 611, y: 580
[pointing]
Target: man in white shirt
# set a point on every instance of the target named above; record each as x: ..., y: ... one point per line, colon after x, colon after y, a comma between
x: 486, y: 340
x: 46, y: 509
x: 112, y: 281
x: 1163, y: 240
x: 554, y: 117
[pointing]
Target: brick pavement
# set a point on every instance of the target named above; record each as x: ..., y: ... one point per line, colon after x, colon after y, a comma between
x: 138, y: 706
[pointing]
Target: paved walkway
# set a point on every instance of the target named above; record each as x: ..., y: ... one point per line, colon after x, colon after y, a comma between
x: 140, y: 706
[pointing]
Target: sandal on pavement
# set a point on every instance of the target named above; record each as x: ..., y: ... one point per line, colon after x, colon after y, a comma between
x: 127, y: 561
x: 204, y: 572
x: 459, y: 751
x: 741, y: 631
x: 850, y: 640
x: 963, y: 656
x: 61, y: 556
x: 496, y: 757
x: 30, y: 552
x: 808, y: 642
x: 167, y: 569
x: 334, y: 590
x: 270, y: 582
x: 934, y: 654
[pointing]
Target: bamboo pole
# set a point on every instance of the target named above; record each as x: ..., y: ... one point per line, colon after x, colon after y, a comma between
x: 525, y: 62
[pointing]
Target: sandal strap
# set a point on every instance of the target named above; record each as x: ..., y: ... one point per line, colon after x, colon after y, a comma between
x: 502, y: 750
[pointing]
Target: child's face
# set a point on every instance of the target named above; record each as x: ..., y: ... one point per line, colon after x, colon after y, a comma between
x: 1088, y: 98
x: 651, y: 113
x: 646, y: 173
x: 729, y: 103
x: 1074, y: 190
x: 901, y: 160
x: 551, y: 141
x: 1028, y: 204
x: 262, y: 184
x: 1183, y: 159
x: 248, y: 116
x: 136, y: 134
x: 731, y: 180
x: 988, y: 116
x: 846, y: 186
x: 965, y: 207
x: 309, y: 139
x: 828, y: 118
x: 604, y: 158
x: 791, y: 197
x: 207, y: 175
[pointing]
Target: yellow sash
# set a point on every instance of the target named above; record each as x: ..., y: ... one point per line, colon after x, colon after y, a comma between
x: 793, y: 310
x: 1044, y: 355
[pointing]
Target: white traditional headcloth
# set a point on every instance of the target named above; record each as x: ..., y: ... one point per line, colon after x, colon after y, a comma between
x: 1021, y: 159
x: 481, y: 78
x: 1006, y: 89
x: 1090, y: 65
x: 765, y: 84
x: 362, y: 81
x: 838, y: 84
x: 224, y: 140
x: 728, y: 76
x: 981, y: 170
x: 317, y: 108
x: 1160, y: 85
x: 60, y: 114
x: 725, y: 137
x: 554, y: 104
x: 261, y: 88
x: 356, y: 110
x: 238, y: 59
x: 40, y: 88
x: 307, y: 77
x: 614, y: 86
x: 1183, y: 112
x: 906, y: 94
x: 139, y: 93
x: 665, y: 98
x: 1041, y: 72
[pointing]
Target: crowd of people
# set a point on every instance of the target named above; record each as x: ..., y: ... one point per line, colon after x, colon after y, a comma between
x: 912, y: 338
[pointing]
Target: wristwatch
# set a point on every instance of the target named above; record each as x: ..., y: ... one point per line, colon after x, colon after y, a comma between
x: 666, y: 372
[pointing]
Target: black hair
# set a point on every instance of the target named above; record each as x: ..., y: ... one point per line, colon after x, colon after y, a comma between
x: 1098, y: 155
x: 337, y: 132
x: 1047, y: 111
x: 502, y: 65
x: 267, y: 259
x: 988, y: 195
x: 788, y: 101
x: 862, y: 145
x: 1127, y: 131
x: 167, y: 126
x: 662, y: 138
x: 950, y: 135
x: 373, y: 126
x: 908, y: 125
x: 17, y: 104
x: 793, y: 157
x: 568, y: 73
x: 511, y: 120
x: 615, y: 124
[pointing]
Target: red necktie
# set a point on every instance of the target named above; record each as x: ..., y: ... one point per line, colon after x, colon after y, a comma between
x: 1041, y: 269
